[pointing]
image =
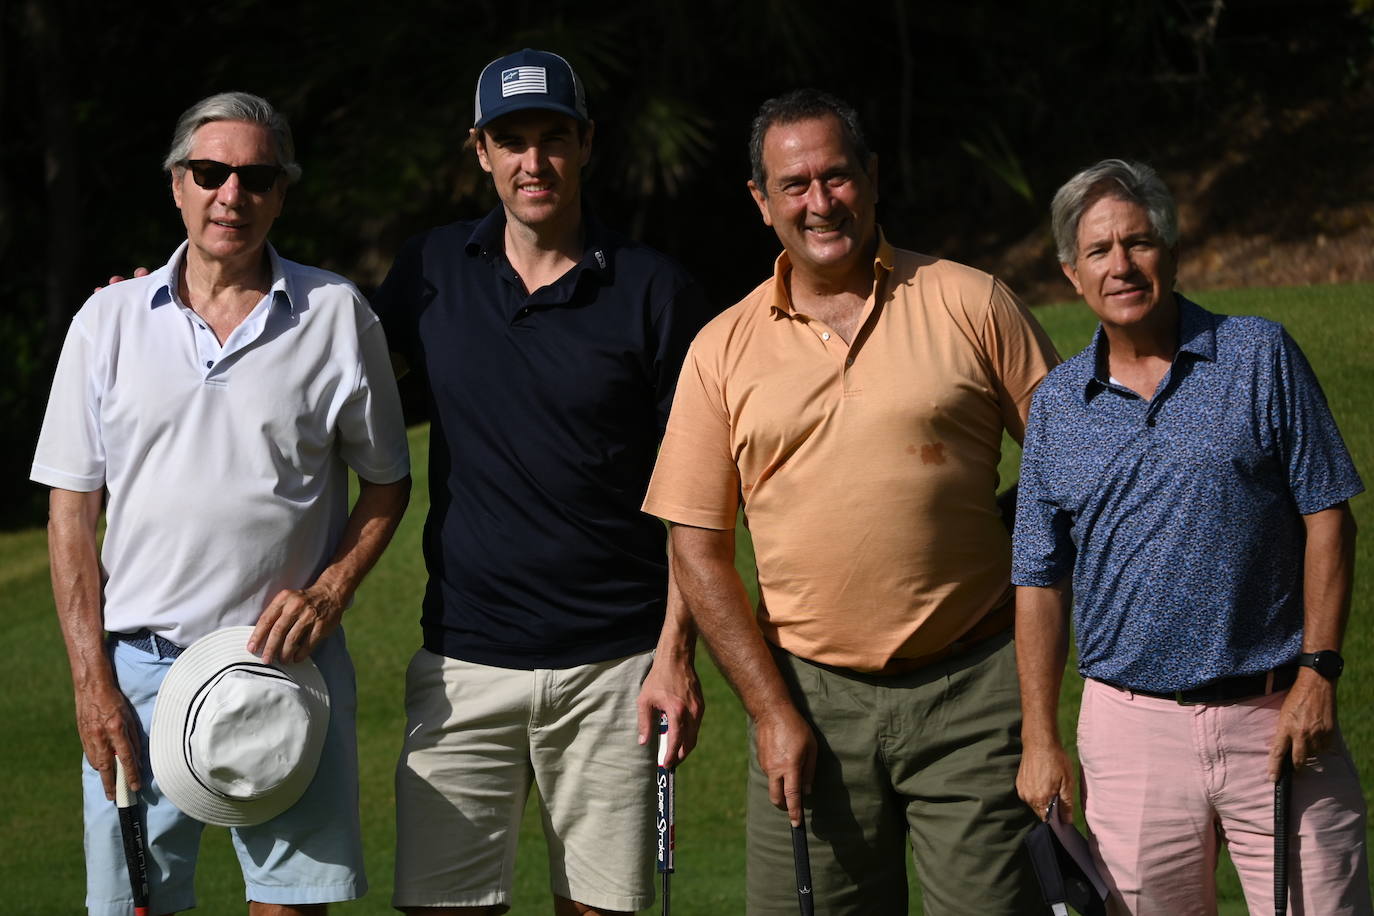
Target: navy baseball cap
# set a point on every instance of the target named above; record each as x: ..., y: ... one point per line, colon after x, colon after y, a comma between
x: 528, y: 79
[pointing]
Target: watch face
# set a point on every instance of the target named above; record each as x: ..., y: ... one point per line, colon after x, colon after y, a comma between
x: 1328, y: 664
x: 1331, y: 664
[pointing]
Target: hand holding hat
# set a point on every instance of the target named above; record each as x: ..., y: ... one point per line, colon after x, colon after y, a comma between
x: 1064, y: 867
x: 235, y: 741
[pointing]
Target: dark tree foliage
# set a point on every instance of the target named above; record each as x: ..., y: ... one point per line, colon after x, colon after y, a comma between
x: 977, y: 111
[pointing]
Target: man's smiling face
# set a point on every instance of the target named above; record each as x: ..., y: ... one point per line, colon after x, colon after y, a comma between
x: 1122, y: 268
x: 818, y: 197
x: 535, y: 158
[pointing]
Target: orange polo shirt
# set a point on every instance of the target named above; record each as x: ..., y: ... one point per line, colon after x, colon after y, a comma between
x: 867, y: 472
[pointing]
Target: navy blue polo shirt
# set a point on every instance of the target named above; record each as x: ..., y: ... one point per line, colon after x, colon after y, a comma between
x: 1180, y: 517
x: 546, y: 411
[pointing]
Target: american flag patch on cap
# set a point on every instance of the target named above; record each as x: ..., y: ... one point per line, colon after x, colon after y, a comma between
x: 522, y: 80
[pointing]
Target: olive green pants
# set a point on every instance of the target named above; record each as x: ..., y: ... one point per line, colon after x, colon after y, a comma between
x: 931, y: 755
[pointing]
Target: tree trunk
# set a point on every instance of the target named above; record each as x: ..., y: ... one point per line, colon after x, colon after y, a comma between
x: 6, y: 199
x: 64, y: 230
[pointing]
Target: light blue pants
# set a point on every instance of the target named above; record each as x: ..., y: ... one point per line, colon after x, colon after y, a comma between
x: 311, y: 853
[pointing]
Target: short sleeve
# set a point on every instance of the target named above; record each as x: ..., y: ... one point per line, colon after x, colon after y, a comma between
x: 1320, y: 471
x: 675, y: 325
x: 696, y: 481
x: 372, y: 432
x: 71, y: 452
x: 397, y: 302
x: 1043, y: 551
x: 1020, y: 353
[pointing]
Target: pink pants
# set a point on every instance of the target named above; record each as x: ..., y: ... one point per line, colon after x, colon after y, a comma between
x: 1162, y: 783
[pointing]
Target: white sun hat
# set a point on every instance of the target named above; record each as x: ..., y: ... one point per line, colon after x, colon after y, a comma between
x: 234, y: 741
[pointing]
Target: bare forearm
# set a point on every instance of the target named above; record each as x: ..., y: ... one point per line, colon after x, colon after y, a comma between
x: 76, y: 585
x: 296, y: 620
x: 672, y: 688
x: 1042, y: 647
x: 705, y: 572
x: 104, y: 719
x: 1307, y: 720
x: 1328, y: 574
x: 678, y: 638
x: 371, y: 524
x: 783, y: 741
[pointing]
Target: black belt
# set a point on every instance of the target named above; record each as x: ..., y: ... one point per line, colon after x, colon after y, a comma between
x: 149, y: 642
x: 1230, y: 689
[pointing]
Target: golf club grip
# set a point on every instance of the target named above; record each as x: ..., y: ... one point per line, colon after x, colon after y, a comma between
x: 1281, y: 792
x: 131, y: 831
x: 666, y: 791
x: 801, y: 858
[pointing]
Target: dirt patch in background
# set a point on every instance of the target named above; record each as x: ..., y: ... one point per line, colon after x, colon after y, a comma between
x: 1272, y: 195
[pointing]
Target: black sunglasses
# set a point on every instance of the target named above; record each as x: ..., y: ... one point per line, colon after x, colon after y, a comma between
x: 210, y: 174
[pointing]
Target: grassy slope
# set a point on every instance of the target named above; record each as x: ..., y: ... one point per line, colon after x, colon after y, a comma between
x: 43, y: 863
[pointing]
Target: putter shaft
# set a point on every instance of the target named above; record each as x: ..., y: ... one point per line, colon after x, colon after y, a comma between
x: 801, y: 858
x: 1281, y: 791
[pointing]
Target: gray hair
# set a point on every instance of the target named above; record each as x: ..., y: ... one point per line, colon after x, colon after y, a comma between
x: 1134, y: 182
x: 234, y: 106
x: 803, y: 105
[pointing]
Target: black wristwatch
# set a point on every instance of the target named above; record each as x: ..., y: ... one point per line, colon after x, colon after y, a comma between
x: 1328, y: 663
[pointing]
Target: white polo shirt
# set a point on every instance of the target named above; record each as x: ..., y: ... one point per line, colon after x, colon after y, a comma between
x: 226, y: 466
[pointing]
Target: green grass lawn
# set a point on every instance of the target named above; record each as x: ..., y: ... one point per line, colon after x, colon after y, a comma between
x: 43, y: 865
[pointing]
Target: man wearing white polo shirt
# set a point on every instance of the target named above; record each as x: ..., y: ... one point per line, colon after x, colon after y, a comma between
x: 220, y: 402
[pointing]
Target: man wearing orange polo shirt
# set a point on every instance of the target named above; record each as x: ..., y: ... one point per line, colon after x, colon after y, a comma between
x: 854, y: 405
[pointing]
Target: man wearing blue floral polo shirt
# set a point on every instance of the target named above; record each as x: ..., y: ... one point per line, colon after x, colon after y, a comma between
x: 1184, y: 480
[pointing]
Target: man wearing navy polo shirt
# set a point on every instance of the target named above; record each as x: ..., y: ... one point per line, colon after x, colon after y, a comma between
x: 1184, y: 480
x: 550, y: 347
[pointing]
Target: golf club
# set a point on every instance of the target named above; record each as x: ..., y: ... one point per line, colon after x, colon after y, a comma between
x: 667, y: 810
x: 135, y: 849
x: 1282, y: 789
x: 801, y: 858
